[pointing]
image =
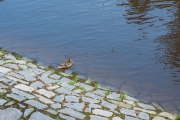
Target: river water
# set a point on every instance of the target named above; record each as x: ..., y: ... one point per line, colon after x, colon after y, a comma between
x: 131, y: 45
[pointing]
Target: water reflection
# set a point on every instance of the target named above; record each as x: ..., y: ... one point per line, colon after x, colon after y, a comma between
x: 170, y: 45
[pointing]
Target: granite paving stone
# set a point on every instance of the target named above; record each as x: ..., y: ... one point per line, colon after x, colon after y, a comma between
x: 28, y: 74
x: 12, y: 66
x: 5, y: 80
x: 130, y: 118
x: 63, y: 90
x: 168, y: 115
x: 37, y: 115
x: 46, y: 93
x: 90, y: 100
x: 66, y: 85
x: 9, y: 103
x: 143, y: 116
x: 87, y: 87
x: 31, y: 65
x: 59, y: 98
x: 131, y: 98
x: 16, y: 97
x: 144, y: 110
x: 75, y: 106
x: 21, y: 93
x: 4, y: 70
x: 56, y: 106
x: 43, y: 99
x: 2, y: 101
x: 24, y: 87
x: 66, y: 117
x: 24, y: 67
x: 64, y: 80
x: 158, y: 118
x: 146, y: 106
x: 1, y: 74
x: 100, y: 92
x: 20, y: 61
x: 102, y: 112
x: 17, y: 80
x: 9, y: 56
x: 10, y: 114
x: 71, y: 99
x: 3, y: 86
x: 47, y: 80
x: 108, y: 105
x: 116, y: 118
x: 36, y: 104
x: 37, y: 85
x: 91, y: 105
x: 37, y: 71
x: 53, y: 87
x: 1, y: 62
x: 113, y: 95
x: 13, y: 74
x: 72, y: 113
x: 129, y: 102
x: 52, y: 111
x: 55, y: 76
x: 94, y: 96
x: 20, y: 105
x: 95, y: 117
x: 128, y: 112
x: 28, y: 111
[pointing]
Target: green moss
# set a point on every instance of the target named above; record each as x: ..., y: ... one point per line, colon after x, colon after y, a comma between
x: 178, y: 117
x: 16, y: 55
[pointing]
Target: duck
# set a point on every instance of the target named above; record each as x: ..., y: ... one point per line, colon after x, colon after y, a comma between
x: 66, y: 64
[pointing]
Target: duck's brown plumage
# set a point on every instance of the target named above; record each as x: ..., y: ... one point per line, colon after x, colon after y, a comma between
x: 66, y: 64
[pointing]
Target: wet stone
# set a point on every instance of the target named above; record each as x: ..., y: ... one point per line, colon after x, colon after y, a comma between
x: 146, y: 106
x: 102, y: 112
x: 94, y: 117
x: 59, y: 98
x: 72, y: 113
x: 36, y: 104
x: 66, y: 117
x: 143, y: 116
x: 37, y: 115
x: 28, y: 111
x: 75, y: 106
x: 12, y: 66
x: 21, y: 93
x: 2, y: 101
x: 113, y: 95
x: 10, y: 114
x: 46, y: 93
x: 108, y: 105
x: 56, y: 106
x: 37, y: 85
x: 71, y: 99
x: 24, y: 87
x: 43, y: 99
x: 130, y: 118
x: 90, y: 100
x: 128, y: 112
x: 4, y: 70
x: 54, y: 76
x: 16, y: 97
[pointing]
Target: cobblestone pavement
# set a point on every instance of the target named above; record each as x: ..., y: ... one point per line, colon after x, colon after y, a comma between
x: 32, y: 92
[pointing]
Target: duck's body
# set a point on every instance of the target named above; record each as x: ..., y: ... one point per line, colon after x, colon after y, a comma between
x: 66, y: 64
